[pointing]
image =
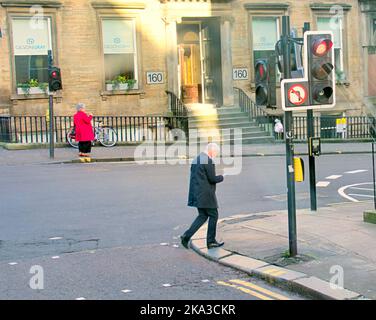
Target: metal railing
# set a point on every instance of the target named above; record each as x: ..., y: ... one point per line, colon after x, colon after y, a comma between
x: 255, y: 113
x: 357, y: 127
x: 133, y: 129
x: 176, y: 106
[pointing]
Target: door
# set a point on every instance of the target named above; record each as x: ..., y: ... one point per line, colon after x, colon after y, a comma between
x: 211, y: 62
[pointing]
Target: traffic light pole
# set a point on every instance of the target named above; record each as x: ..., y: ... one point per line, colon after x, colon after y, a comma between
x: 293, y: 250
x: 51, y: 111
x: 311, y: 158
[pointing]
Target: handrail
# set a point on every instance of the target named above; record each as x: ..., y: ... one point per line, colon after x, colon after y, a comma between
x: 177, y: 107
x: 255, y: 113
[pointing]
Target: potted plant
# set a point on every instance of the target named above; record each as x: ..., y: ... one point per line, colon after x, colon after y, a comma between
x: 33, y: 86
x: 121, y: 82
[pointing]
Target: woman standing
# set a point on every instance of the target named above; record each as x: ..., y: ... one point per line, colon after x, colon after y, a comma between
x: 84, y: 132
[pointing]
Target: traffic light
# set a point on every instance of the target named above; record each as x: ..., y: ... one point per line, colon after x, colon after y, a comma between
x: 54, y: 79
x: 321, y: 78
x: 265, y: 80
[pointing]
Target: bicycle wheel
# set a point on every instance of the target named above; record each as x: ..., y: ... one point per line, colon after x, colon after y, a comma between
x: 107, y: 137
x: 71, y: 138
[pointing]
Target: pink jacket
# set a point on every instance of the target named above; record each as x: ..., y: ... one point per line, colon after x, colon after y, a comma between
x: 84, y: 129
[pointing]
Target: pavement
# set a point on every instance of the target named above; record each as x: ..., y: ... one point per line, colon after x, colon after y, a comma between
x: 28, y: 154
x: 336, y: 256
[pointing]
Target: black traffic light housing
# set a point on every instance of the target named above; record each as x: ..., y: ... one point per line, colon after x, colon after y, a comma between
x: 265, y: 81
x: 54, y: 79
x: 314, y: 147
x: 321, y: 78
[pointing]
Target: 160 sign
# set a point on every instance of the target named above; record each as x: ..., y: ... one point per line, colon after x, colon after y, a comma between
x: 154, y: 77
x: 240, y: 74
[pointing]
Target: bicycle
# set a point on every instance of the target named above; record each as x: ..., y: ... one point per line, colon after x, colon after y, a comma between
x: 106, y: 135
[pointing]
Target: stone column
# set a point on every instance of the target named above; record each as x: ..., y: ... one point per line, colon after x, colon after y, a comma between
x: 172, y: 56
x: 226, y: 55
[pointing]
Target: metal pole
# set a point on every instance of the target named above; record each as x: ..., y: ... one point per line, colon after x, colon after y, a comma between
x: 289, y: 143
x: 51, y: 111
x: 311, y: 158
x: 374, y: 179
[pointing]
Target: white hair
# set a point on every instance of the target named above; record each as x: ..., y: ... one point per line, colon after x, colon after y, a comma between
x: 80, y: 106
x: 212, y: 147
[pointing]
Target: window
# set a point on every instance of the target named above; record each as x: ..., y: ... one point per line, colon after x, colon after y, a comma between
x: 119, y: 47
x: 334, y: 24
x: 31, y: 42
x: 265, y: 34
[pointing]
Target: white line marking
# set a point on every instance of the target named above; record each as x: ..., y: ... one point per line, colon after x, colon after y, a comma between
x: 81, y: 298
x: 164, y: 244
x: 357, y: 188
x: 13, y: 263
x: 126, y: 291
x: 355, y: 171
x: 360, y: 195
x: 333, y: 177
x: 55, y: 257
x: 205, y: 280
x: 176, y: 246
x: 322, y: 184
x: 342, y: 193
x: 167, y: 285
x: 55, y: 238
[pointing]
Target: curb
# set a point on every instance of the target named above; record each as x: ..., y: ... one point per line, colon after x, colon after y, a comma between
x: 309, y: 286
x: 250, y: 155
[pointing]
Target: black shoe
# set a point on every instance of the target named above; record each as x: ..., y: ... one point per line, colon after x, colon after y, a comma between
x: 184, y: 242
x: 215, y: 244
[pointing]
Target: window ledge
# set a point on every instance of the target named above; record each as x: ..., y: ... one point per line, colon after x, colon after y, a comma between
x: 328, y: 6
x: 29, y: 4
x: 266, y: 6
x: 122, y: 92
x: 39, y: 96
x: 117, y: 5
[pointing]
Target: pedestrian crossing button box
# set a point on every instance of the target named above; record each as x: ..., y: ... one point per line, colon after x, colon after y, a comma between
x: 314, y: 147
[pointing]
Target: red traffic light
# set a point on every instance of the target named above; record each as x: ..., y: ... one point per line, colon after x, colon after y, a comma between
x: 261, y: 70
x: 54, y: 74
x: 321, y: 47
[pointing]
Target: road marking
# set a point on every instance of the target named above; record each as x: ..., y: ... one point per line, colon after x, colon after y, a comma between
x: 360, y: 195
x: 275, y: 272
x: 166, y: 285
x: 260, y: 289
x: 55, y: 238
x: 366, y: 189
x: 164, y: 244
x: 334, y: 177
x: 245, y: 290
x: 13, y: 263
x: 126, y: 291
x: 322, y: 184
x: 356, y: 171
x: 341, y: 191
x: 55, y: 257
x: 81, y: 298
x: 205, y: 280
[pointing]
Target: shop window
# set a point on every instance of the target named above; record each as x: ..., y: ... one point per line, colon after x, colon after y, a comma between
x: 120, y: 54
x: 31, y: 43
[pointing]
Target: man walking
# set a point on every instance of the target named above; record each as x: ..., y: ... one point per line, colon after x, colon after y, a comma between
x: 202, y: 188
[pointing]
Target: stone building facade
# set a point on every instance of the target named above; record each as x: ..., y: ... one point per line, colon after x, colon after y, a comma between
x: 198, y: 50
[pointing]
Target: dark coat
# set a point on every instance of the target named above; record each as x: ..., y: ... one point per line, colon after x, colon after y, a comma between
x: 203, y: 182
